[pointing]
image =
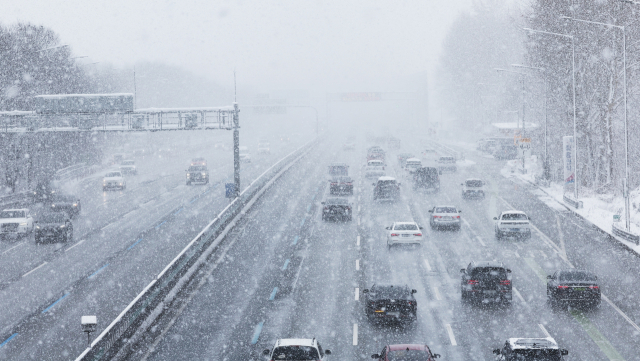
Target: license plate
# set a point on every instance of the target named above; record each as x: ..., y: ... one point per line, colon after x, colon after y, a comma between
x: 579, y: 289
x: 446, y: 218
x: 395, y: 314
x: 489, y: 292
x: 406, y: 235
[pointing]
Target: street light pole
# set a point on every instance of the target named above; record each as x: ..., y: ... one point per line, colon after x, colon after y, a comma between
x: 626, y: 127
x: 573, y: 81
x: 524, y: 170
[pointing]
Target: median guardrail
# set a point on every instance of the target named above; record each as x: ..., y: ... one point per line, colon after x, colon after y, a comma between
x: 628, y: 236
x: 572, y: 202
x: 112, y: 339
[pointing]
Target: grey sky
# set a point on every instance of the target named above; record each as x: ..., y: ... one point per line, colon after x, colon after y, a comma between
x: 331, y: 45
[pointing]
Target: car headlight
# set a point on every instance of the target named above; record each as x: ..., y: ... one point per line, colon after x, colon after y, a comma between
x: 38, y: 227
x: 203, y: 174
x: 188, y: 175
x: 75, y: 204
x: 53, y: 205
x: 62, y: 226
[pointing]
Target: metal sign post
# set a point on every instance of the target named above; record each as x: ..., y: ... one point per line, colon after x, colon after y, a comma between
x: 236, y: 149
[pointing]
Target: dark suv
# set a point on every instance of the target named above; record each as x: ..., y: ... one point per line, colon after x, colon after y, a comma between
x: 427, y: 178
x: 336, y: 209
x: 384, y: 303
x: 386, y: 189
x: 486, y: 281
x: 573, y: 287
x: 197, y: 173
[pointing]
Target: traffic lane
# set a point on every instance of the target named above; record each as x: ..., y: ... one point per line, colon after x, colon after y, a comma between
x: 279, y: 214
x: 33, y: 291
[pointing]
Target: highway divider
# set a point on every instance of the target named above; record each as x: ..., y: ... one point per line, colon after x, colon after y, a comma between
x: 117, y: 335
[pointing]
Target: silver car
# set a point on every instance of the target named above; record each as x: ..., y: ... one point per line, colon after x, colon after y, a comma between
x: 445, y: 217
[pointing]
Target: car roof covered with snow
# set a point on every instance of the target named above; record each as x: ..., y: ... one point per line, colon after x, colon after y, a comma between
x: 386, y: 178
x: 296, y: 342
x: 529, y: 343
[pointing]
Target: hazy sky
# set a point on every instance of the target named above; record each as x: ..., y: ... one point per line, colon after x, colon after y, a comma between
x: 342, y: 45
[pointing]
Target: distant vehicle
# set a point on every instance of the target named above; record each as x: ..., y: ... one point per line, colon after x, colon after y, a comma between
x: 349, y: 146
x: 64, y: 203
x: 412, y: 164
x: 535, y: 349
x: 284, y: 138
x: 55, y: 225
x: 374, y: 169
x: 404, y: 233
x: 118, y: 158
x: 296, y: 349
x: 445, y: 217
x: 16, y: 222
x: 447, y: 163
x: 407, y: 352
x: 43, y: 192
x: 128, y: 167
x: 197, y: 174
x: 505, y: 151
x: 386, y: 189
x: 512, y: 223
x: 390, y: 303
x: 573, y: 287
x: 245, y: 156
x: 338, y: 169
x: 198, y: 161
x: 427, y: 178
x: 375, y: 153
x: 219, y: 146
x: 114, y: 180
x: 138, y: 121
x: 190, y: 120
x: 473, y: 188
x: 336, y: 208
x: 486, y: 281
x: 341, y: 185
x: 264, y: 148
x: 402, y: 157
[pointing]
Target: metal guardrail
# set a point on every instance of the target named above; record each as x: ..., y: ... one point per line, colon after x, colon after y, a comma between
x: 114, y: 337
x: 619, y: 232
x: 572, y: 202
x: 457, y: 155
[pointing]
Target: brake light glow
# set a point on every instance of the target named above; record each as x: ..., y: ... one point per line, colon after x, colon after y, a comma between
x: 472, y: 282
x: 458, y: 217
x: 505, y: 282
x: 394, y: 234
x: 437, y: 216
x: 563, y: 287
x: 594, y: 287
x: 418, y: 234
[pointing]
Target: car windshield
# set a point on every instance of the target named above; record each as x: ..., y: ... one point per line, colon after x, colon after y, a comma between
x: 197, y: 168
x: 113, y: 174
x: 489, y: 273
x: 63, y: 198
x: 286, y: 353
x: 375, y: 164
x: 52, y: 218
x: 12, y: 214
x: 577, y: 276
x: 474, y: 183
x: 337, y: 201
x: 446, y: 210
x: 408, y: 355
x: 405, y: 227
x: 514, y: 217
x: 537, y: 355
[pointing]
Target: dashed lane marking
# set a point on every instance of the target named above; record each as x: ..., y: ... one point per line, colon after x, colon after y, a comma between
x: 53, y: 304
x: 436, y: 292
x: 77, y: 244
x: 133, y: 245
x: 633, y: 324
x: 357, y: 265
x: 273, y: 294
x: 8, y: 339
x: 427, y: 265
x: 518, y: 295
x: 33, y: 270
x: 295, y: 240
x: 358, y: 241
x: 256, y: 333
x: 16, y: 246
x: 302, y: 223
x: 357, y: 294
x: 452, y: 338
x: 544, y: 330
x: 286, y: 263
x: 358, y: 208
x: 480, y: 240
x: 98, y: 271
x: 308, y: 208
x: 355, y: 334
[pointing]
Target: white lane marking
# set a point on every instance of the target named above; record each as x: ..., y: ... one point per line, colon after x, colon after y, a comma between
x: 77, y: 244
x: 26, y: 274
x: 358, y: 220
x: 427, y: 265
x: 517, y: 254
x: 480, y: 240
x: 358, y: 208
x: 17, y: 245
x: 355, y: 334
x: 357, y: 294
x: 543, y: 254
x: 452, y: 338
x: 357, y: 265
x: 107, y: 226
x: 518, y: 295
x: 620, y: 312
x: 437, y: 293
x: 544, y: 330
x: 358, y: 241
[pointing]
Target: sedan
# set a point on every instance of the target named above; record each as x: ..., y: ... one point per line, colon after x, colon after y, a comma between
x: 56, y: 226
x: 404, y: 233
x: 445, y: 217
x: 573, y: 287
x: 407, y: 352
x: 390, y: 303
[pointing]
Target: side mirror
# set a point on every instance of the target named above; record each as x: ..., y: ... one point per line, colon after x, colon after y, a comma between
x: 549, y: 277
x: 322, y: 202
x: 431, y: 211
x: 461, y: 184
x: 596, y: 277
x: 508, y: 270
x: 266, y: 352
x: 459, y: 211
x: 375, y: 356
x: 373, y: 184
x: 413, y: 291
x: 387, y: 227
x: 463, y: 271
x: 495, y: 218
x: 436, y: 355
x: 496, y: 351
x: 564, y: 352
x: 327, y: 352
x: 366, y: 290
x: 421, y: 227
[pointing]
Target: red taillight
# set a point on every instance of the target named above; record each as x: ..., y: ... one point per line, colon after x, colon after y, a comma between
x: 563, y: 287
x: 437, y: 217
x: 418, y: 234
x: 505, y: 282
x: 472, y: 282
x: 394, y: 235
x: 594, y: 287
x: 458, y: 217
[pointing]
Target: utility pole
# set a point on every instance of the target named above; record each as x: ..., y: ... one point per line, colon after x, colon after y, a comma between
x: 236, y: 139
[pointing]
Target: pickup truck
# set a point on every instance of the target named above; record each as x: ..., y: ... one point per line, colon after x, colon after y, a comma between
x: 15, y: 222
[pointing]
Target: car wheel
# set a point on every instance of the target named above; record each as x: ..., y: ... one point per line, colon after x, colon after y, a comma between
x: 498, y: 235
x: 188, y: 183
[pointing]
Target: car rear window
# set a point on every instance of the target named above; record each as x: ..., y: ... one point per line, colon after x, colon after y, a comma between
x: 375, y: 163
x: 52, y: 218
x: 408, y: 355
x: 447, y: 160
x: 341, y: 201
x: 446, y: 210
x: 537, y: 355
x: 405, y: 227
x: 474, y: 183
x: 295, y: 353
x: 514, y: 217
x: 577, y: 276
x: 128, y: 162
x: 12, y: 214
x: 387, y: 183
x: 391, y: 292
x: 489, y: 273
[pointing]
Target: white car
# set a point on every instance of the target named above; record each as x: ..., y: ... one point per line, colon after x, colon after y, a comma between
x: 473, y: 188
x: 404, y: 233
x: 296, y: 349
x: 128, y: 167
x: 513, y: 223
x: 412, y: 164
x: 16, y: 222
x: 445, y: 216
x: 374, y: 169
x: 114, y: 180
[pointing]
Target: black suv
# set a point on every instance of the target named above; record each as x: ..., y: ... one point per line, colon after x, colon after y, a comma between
x: 336, y: 209
x: 538, y: 349
x: 63, y: 203
x: 427, y: 178
x: 573, y: 287
x: 390, y: 303
x: 197, y: 173
x: 56, y: 225
x: 486, y: 281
